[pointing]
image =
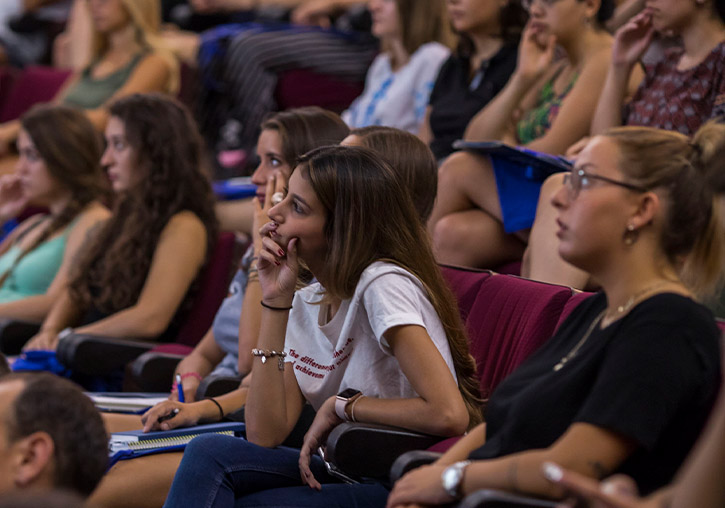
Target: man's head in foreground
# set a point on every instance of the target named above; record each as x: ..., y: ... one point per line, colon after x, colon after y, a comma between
x: 51, y: 435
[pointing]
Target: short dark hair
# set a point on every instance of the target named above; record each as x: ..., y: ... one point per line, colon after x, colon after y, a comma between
x: 56, y: 406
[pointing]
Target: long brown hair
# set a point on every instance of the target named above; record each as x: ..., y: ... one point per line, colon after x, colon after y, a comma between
x: 422, y: 22
x: 71, y: 149
x: 354, y: 185
x: 684, y: 170
x: 410, y: 158
x: 168, y: 149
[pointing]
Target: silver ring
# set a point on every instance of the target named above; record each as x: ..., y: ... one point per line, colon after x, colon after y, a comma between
x: 277, y: 197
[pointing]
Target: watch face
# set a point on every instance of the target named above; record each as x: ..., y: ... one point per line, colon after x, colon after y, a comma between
x: 346, y: 394
x: 451, y: 478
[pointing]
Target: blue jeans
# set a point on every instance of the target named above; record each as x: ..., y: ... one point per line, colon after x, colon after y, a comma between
x: 223, y: 471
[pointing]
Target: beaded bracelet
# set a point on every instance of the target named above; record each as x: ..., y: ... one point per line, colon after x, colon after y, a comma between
x: 270, y: 354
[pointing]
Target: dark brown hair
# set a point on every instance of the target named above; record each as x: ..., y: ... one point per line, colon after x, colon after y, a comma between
x: 512, y: 18
x: 411, y: 159
x: 353, y: 185
x: 59, y: 408
x: 71, y: 149
x: 168, y: 147
x: 303, y: 129
x: 685, y: 170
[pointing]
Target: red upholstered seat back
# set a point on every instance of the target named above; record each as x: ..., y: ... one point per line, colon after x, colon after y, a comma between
x: 465, y: 284
x: 34, y: 85
x: 215, y: 282
x: 509, y: 320
x: 301, y: 87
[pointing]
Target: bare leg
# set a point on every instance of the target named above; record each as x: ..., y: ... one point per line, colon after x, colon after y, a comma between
x: 542, y: 261
x: 466, y: 222
x: 115, y: 422
x: 140, y: 483
x: 474, y: 238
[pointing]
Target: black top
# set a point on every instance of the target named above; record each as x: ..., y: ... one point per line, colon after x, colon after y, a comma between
x: 456, y: 97
x: 651, y: 377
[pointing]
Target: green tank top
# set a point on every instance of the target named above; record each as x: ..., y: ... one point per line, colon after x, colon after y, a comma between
x: 36, y: 270
x: 91, y: 93
x: 539, y: 119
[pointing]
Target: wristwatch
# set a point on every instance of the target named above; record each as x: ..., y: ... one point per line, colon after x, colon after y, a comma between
x: 452, y: 478
x: 343, y: 399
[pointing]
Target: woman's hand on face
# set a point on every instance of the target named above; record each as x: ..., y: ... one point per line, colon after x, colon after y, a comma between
x: 313, y: 13
x: 278, y: 268
x: 421, y: 486
x: 12, y: 197
x: 275, y: 183
x: 43, y: 341
x: 536, y: 53
x: 632, y: 40
x: 325, y: 420
x: 188, y: 415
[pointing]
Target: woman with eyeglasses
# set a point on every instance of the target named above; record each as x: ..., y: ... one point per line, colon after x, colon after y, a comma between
x: 680, y: 92
x: 626, y: 383
x: 484, y: 210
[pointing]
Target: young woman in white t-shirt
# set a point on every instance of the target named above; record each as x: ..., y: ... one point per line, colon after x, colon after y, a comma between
x: 381, y: 320
x: 415, y: 38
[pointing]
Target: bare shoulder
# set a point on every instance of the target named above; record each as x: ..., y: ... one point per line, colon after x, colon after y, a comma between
x: 598, y: 62
x: 184, y: 223
x: 94, y: 212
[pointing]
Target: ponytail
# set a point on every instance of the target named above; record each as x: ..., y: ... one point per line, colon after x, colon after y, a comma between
x: 693, y: 234
x: 704, y: 268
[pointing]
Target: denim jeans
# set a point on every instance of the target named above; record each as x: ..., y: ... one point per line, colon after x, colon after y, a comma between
x: 222, y: 471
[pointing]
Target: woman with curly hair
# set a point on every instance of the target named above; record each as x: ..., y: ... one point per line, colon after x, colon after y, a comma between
x: 138, y: 268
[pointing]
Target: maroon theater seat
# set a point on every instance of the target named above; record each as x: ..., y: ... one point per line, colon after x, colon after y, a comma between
x: 301, y: 87
x: 34, y: 85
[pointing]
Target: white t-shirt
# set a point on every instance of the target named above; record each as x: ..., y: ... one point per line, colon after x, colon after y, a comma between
x: 398, y: 99
x: 350, y: 351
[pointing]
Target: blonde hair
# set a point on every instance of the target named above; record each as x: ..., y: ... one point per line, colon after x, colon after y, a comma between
x: 145, y: 16
x: 693, y: 234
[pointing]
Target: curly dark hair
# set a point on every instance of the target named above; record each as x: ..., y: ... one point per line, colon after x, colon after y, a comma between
x: 168, y: 148
x: 51, y: 404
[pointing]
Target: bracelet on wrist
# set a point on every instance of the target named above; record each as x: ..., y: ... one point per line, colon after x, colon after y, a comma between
x: 271, y: 307
x: 264, y: 354
x: 219, y: 407
x: 193, y: 374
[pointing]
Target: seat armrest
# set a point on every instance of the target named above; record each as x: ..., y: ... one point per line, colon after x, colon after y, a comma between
x: 411, y: 460
x: 213, y: 386
x: 96, y: 355
x: 499, y: 499
x: 365, y: 450
x: 14, y: 334
x: 153, y: 371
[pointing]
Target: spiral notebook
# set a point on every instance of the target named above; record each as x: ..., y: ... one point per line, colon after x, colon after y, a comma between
x: 137, y: 443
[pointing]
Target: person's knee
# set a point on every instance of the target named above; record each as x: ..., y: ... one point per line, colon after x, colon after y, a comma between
x: 449, y: 233
x: 550, y: 187
x: 456, y: 167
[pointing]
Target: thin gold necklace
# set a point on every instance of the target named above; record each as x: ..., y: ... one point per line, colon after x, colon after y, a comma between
x: 571, y: 354
x: 634, y: 299
x: 631, y: 301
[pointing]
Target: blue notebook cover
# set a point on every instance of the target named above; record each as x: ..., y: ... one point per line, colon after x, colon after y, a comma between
x: 137, y: 443
x: 539, y: 164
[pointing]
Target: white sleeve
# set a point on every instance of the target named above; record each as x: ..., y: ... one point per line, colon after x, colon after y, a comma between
x: 394, y: 299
